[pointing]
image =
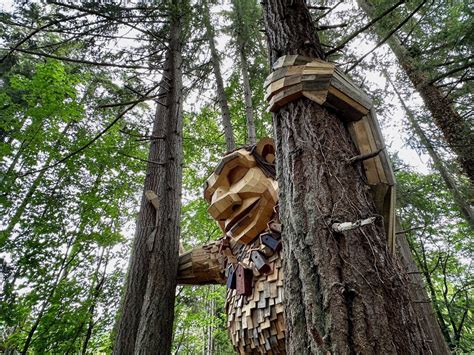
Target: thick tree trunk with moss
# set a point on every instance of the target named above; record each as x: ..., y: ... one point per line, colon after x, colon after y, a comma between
x: 456, y: 130
x: 146, y: 321
x: 343, y: 291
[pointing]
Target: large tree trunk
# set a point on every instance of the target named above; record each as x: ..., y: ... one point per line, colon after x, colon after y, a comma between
x: 146, y: 321
x: 438, y: 163
x: 221, y: 96
x: 343, y: 291
x: 456, y: 131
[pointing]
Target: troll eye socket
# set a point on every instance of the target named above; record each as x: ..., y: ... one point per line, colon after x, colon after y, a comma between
x: 236, y: 174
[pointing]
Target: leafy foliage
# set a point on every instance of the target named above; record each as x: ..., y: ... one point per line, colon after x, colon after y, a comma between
x: 443, y: 247
x: 65, y: 227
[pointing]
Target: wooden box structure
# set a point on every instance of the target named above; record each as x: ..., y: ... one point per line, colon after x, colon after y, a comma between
x: 296, y: 76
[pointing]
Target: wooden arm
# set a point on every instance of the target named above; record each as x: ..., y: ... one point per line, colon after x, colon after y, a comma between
x: 202, y: 265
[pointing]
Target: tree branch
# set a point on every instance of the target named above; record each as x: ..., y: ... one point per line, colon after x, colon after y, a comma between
x: 318, y: 7
x: 82, y: 61
x: 452, y: 71
x: 356, y: 33
x: 409, y: 230
x: 32, y: 33
x: 100, y: 14
x: 345, y: 226
x: 328, y: 27
x: 387, y: 36
x: 366, y: 156
x: 140, y: 159
x: 92, y: 141
x: 142, y: 99
x: 327, y: 12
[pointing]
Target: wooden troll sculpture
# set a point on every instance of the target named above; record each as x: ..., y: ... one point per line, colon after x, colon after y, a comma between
x: 242, y: 194
x: 243, y: 197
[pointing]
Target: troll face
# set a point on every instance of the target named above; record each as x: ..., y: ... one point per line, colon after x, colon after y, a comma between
x: 240, y: 194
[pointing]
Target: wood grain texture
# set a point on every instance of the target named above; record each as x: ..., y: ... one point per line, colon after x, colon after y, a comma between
x: 297, y: 76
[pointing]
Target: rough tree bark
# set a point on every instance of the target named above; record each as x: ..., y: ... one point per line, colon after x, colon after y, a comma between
x: 221, y: 96
x: 438, y: 163
x: 341, y: 289
x: 146, y: 321
x: 456, y: 131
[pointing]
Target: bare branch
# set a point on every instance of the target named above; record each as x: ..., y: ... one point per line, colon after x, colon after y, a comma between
x: 318, y: 7
x: 387, y: 36
x: 39, y: 29
x: 409, y: 230
x: 452, y: 71
x: 363, y: 157
x: 327, y: 12
x: 82, y: 61
x: 370, y: 24
x: 142, y: 99
x: 116, y: 19
x: 328, y: 27
x: 140, y: 159
x: 345, y: 226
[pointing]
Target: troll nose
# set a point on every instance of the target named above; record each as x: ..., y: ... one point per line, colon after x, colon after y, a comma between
x: 223, y: 207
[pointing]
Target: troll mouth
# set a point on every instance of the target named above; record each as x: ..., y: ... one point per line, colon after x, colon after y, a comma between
x: 241, y: 215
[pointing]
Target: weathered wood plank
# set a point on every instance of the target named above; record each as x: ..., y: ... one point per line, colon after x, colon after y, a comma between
x: 363, y: 144
x: 384, y: 158
x: 290, y: 60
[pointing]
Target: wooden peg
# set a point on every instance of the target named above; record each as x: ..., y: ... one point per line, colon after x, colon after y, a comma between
x: 153, y: 198
x: 268, y: 240
x: 260, y: 262
x: 274, y: 226
x: 244, y: 280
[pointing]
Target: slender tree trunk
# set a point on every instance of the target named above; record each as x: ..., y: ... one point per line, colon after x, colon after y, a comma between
x: 146, y: 321
x: 251, y: 136
x: 438, y: 163
x: 210, y: 328
x: 94, y: 294
x: 60, y: 275
x: 456, y: 131
x: 434, y: 327
x: 5, y: 234
x: 343, y: 291
x: 221, y: 96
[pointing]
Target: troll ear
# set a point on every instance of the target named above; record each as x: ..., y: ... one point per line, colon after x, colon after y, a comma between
x: 266, y: 149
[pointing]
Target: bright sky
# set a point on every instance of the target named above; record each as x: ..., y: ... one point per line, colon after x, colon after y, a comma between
x: 393, y: 133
